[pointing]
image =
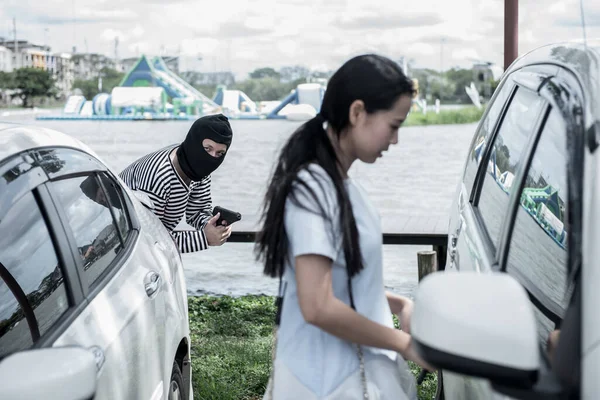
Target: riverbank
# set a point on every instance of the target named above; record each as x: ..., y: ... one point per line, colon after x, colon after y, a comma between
x: 231, y: 347
x: 464, y: 115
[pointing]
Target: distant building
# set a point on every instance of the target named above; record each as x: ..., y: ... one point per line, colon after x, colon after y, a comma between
x: 24, y: 54
x: 484, y: 73
x: 88, y: 65
x: 6, y: 59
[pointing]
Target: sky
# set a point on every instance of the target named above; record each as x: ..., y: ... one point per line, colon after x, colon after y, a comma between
x: 242, y: 35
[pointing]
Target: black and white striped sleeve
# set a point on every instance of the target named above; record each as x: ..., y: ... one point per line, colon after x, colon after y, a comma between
x: 190, y: 241
x: 199, y: 207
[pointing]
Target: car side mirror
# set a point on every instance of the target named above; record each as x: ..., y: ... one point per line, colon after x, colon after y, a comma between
x: 477, y: 324
x: 66, y: 373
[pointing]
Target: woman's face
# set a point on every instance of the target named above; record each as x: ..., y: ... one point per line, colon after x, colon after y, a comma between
x: 372, y: 134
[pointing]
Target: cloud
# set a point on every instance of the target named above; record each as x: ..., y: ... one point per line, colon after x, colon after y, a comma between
x: 592, y: 19
x: 241, y: 35
x: 138, y: 31
x: 466, y: 54
x: 111, y: 34
x: 199, y: 45
x: 114, y: 15
x: 235, y: 29
x: 395, y: 21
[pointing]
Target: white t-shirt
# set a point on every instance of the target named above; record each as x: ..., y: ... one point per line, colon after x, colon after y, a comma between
x: 319, y: 360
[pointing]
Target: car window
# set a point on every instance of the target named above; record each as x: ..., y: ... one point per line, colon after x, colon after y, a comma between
x: 484, y: 133
x: 505, y: 159
x: 117, y: 204
x: 31, y: 278
x: 62, y: 161
x: 90, y: 219
x: 537, y: 254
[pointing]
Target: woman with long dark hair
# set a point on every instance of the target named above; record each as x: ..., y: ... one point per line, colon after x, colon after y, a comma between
x: 322, y: 237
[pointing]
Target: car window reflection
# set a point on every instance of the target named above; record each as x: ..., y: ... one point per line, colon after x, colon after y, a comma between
x: 505, y: 159
x: 537, y: 253
x: 87, y: 208
x: 27, y: 254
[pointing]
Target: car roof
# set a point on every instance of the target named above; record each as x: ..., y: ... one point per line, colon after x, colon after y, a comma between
x: 582, y: 59
x: 15, y: 139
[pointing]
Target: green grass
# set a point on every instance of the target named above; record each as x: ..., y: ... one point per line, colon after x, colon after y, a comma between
x: 231, y: 348
x: 446, y: 117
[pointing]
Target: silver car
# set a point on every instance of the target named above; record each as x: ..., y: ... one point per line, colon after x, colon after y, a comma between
x: 515, y: 315
x: 93, y: 298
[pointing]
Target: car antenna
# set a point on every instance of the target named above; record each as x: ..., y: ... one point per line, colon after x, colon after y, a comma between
x: 583, y: 24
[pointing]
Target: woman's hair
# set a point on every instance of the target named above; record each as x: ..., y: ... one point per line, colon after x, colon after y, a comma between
x: 378, y: 82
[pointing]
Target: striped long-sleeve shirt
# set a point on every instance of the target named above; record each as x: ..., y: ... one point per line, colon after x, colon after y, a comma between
x: 155, y: 176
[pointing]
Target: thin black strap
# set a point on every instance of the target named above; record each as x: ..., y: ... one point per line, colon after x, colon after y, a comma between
x: 279, y: 302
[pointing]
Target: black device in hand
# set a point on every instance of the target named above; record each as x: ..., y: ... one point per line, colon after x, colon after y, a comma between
x: 226, y: 215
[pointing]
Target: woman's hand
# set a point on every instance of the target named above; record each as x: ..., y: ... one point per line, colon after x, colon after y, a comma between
x: 402, y: 307
x: 411, y: 354
x: 405, y: 315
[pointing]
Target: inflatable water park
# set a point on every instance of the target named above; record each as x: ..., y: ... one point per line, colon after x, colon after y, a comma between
x: 151, y: 91
x: 543, y: 204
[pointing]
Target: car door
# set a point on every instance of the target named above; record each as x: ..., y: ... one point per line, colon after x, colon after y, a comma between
x: 542, y: 243
x: 123, y: 295
x: 40, y: 295
x: 481, y: 209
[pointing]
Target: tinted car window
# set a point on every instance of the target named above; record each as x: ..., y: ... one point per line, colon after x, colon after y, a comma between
x: 484, y: 133
x: 505, y: 160
x: 90, y: 219
x: 537, y: 253
x: 117, y: 204
x: 57, y: 162
x: 29, y: 267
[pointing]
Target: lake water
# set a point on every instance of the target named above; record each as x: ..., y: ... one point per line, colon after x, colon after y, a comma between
x: 416, y: 177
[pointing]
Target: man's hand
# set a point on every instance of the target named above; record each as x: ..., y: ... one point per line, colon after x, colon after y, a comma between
x: 216, y: 235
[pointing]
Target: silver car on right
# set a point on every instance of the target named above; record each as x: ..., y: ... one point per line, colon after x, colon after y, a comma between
x: 527, y: 205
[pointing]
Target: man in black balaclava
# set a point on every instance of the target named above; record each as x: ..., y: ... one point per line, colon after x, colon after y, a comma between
x: 175, y: 181
x: 194, y: 160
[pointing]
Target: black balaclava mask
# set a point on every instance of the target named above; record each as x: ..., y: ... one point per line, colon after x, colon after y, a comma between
x: 194, y: 161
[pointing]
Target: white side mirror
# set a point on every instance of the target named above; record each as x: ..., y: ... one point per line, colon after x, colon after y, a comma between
x: 66, y: 373
x: 477, y: 324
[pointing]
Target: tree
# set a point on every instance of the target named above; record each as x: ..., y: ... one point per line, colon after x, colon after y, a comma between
x: 294, y: 73
x: 265, y: 89
x: 89, y: 88
x: 110, y: 78
x: 461, y: 78
x: 266, y: 72
x: 32, y: 82
x: 6, y: 80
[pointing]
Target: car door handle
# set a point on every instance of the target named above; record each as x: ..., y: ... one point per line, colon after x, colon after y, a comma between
x: 452, y: 250
x: 98, y: 356
x: 152, y: 283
